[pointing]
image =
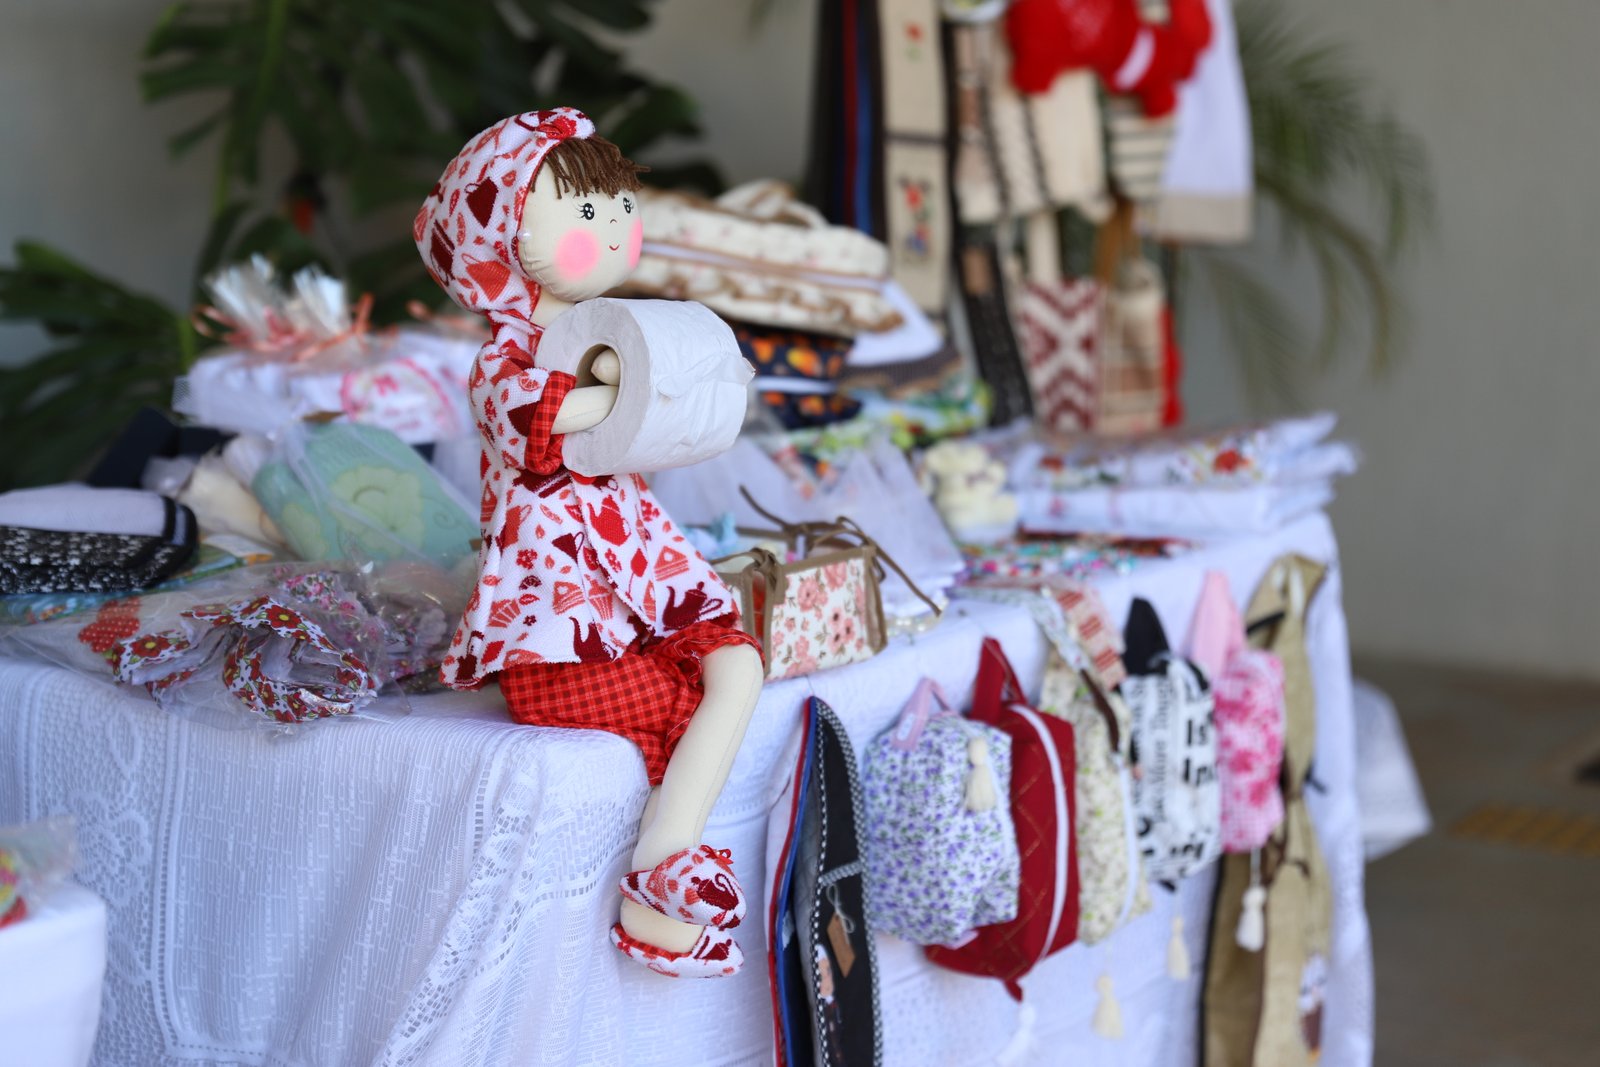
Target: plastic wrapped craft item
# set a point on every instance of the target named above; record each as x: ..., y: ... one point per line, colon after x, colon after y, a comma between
x: 34, y: 858
x: 276, y: 646
x: 359, y: 493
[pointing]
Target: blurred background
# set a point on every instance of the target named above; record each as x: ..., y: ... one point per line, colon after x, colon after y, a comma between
x: 1467, y: 537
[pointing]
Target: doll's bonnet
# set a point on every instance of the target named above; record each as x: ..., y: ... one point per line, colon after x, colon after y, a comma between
x: 467, y: 228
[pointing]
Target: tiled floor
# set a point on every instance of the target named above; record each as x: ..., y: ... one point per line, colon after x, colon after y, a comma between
x: 1488, y: 954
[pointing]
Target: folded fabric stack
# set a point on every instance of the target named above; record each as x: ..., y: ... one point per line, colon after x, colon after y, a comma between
x: 74, y: 538
x: 810, y: 303
x: 1242, y: 480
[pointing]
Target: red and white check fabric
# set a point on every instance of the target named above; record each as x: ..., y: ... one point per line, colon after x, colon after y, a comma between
x: 647, y: 695
x: 1059, y: 328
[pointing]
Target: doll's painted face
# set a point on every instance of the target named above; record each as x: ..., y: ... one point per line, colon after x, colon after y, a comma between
x: 578, y: 245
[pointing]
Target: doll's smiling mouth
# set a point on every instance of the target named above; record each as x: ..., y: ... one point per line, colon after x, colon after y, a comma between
x: 613, y: 247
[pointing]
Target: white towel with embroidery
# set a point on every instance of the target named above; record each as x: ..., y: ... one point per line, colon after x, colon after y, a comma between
x: 1208, y: 187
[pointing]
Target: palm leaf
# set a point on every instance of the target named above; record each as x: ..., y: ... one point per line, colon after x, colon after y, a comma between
x: 1317, y: 134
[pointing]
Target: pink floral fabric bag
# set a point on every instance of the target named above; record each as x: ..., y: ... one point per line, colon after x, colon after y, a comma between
x: 1248, y: 689
x: 820, y: 606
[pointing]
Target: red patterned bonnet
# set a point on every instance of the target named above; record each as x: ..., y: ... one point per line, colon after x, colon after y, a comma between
x: 467, y: 228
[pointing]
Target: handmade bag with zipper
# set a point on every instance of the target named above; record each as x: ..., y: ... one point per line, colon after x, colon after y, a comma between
x: 1112, y: 887
x: 1176, y: 797
x: 1044, y: 762
x: 821, y: 606
x: 941, y: 845
x: 1248, y: 689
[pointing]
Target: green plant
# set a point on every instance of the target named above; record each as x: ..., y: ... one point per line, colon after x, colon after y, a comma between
x: 1317, y: 135
x: 111, y: 352
x: 324, y: 114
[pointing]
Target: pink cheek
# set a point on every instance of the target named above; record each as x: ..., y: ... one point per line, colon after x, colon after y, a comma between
x: 635, y: 242
x: 576, y: 254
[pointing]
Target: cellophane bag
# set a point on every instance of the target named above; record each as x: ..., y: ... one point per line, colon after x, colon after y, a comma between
x: 341, y: 491
x: 276, y: 645
x: 34, y: 858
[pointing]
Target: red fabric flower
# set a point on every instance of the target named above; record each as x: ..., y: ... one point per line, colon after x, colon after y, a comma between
x: 559, y: 127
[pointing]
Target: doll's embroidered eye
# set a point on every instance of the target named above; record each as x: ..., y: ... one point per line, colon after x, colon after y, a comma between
x: 587, y: 210
x: 627, y: 205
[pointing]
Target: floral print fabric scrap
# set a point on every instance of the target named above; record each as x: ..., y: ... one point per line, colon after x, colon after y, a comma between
x: 276, y: 661
x: 822, y: 621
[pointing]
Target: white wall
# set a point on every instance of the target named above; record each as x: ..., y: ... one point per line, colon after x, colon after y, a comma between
x: 1469, y: 535
x: 83, y: 162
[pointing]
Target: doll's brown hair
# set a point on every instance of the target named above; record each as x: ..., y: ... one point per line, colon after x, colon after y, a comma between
x: 591, y: 166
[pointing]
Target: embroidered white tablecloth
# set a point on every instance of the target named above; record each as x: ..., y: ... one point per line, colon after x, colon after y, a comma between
x: 437, y: 890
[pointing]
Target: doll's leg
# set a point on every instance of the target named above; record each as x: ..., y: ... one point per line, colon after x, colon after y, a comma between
x: 675, y: 817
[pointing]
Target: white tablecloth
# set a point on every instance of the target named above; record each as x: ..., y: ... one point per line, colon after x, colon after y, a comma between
x: 438, y: 890
x: 52, y: 968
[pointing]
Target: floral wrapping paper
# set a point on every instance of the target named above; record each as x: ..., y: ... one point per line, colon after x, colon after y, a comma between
x: 936, y: 870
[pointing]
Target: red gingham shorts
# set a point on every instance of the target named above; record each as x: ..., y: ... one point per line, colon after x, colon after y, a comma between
x: 648, y: 694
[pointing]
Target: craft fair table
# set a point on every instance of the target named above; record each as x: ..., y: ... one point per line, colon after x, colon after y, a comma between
x: 437, y: 890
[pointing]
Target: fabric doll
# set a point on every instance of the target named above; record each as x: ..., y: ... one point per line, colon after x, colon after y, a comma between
x: 591, y: 610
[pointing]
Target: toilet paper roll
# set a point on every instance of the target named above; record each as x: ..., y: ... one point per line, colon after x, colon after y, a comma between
x: 683, y: 389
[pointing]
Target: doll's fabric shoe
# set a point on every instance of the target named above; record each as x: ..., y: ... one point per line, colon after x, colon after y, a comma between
x: 715, y: 955
x: 694, y: 886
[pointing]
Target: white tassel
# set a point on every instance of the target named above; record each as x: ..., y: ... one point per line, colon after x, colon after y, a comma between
x: 1019, y: 1050
x: 1177, y: 952
x: 1108, y: 1013
x: 1252, y: 932
x: 980, y: 780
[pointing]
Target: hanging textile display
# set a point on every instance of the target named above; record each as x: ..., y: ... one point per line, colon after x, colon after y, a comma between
x: 878, y: 157
x: 978, y: 261
x: 917, y: 221
x: 1208, y: 187
x: 1266, y: 970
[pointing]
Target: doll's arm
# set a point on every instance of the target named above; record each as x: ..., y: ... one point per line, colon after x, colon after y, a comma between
x: 584, y: 407
x: 588, y: 405
x: 516, y: 405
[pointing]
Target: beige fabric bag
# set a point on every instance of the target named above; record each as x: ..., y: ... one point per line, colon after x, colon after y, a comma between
x: 1263, y: 1006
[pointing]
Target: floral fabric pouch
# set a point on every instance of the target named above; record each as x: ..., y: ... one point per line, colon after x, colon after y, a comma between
x: 942, y: 853
x: 819, y: 606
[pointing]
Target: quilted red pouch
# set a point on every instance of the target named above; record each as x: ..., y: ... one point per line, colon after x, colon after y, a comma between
x: 1043, y: 766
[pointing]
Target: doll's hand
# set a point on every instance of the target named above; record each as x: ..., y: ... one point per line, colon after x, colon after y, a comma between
x: 585, y: 407
x: 606, y: 368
